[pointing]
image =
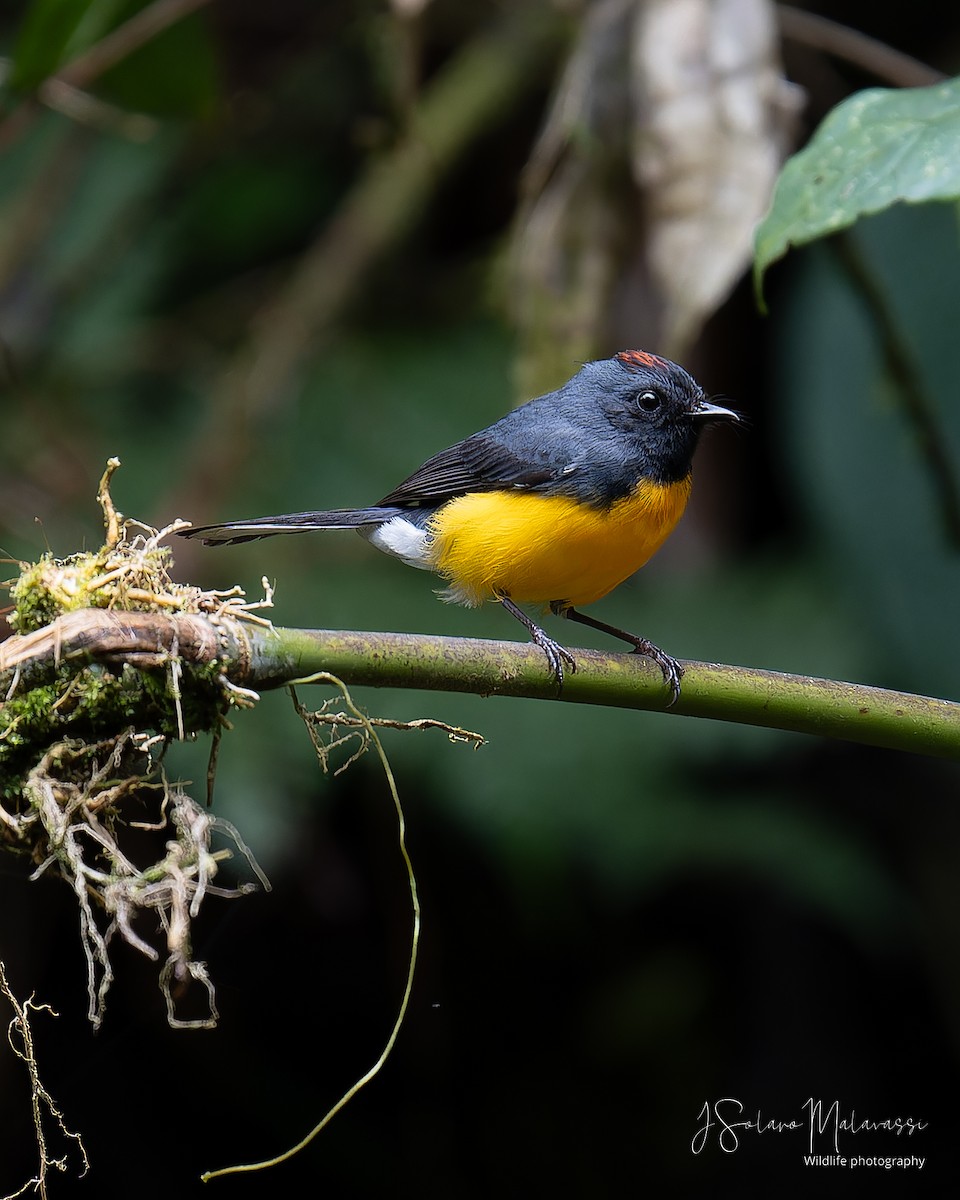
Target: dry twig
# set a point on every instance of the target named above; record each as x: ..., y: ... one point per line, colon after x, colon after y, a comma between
x: 44, y: 1108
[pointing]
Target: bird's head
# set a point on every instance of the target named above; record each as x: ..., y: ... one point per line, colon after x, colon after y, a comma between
x: 654, y: 406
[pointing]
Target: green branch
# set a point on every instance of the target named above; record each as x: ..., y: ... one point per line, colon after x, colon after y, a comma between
x: 825, y: 707
x: 257, y: 656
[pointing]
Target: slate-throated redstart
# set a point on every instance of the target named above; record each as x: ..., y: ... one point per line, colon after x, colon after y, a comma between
x: 554, y: 504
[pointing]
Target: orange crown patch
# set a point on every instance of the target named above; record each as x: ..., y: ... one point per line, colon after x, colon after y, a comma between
x: 640, y: 358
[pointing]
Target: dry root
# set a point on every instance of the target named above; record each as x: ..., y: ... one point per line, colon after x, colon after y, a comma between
x: 75, y: 793
x: 80, y: 749
x: 47, y: 1117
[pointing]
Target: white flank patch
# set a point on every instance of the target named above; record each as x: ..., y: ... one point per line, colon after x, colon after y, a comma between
x: 403, y: 540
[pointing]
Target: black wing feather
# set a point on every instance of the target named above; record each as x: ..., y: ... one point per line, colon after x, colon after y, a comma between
x: 477, y: 464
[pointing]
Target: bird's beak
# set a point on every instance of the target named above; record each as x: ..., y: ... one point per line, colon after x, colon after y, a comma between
x: 705, y: 411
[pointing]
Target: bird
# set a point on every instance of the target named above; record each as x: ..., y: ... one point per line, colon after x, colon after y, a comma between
x: 552, y: 506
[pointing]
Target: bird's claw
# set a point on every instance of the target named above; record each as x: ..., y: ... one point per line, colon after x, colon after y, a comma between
x: 671, y: 670
x: 556, y: 656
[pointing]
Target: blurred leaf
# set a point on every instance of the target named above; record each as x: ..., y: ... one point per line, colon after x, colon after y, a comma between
x: 801, y: 854
x: 93, y: 246
x: 876, y: 149
x: 856, y: 462
x: 242, y: 208
x: 174, y: 74
x: 54, y: 31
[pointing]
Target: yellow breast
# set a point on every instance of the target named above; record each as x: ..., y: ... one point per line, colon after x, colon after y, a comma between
x: 537, y: 549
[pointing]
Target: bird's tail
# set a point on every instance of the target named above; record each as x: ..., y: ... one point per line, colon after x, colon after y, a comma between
x: 261, y: 527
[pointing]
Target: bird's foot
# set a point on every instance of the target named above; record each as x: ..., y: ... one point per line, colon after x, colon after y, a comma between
x: 671, y: 670
x: 556, y: 654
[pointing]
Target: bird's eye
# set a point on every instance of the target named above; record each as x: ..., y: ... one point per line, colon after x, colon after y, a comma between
x: 648, y: 402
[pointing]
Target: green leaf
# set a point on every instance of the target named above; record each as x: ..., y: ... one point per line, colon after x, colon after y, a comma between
x: 876, y: 149
x: 853, y: 454
x: 54, y: 31
x: 175, y: 74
